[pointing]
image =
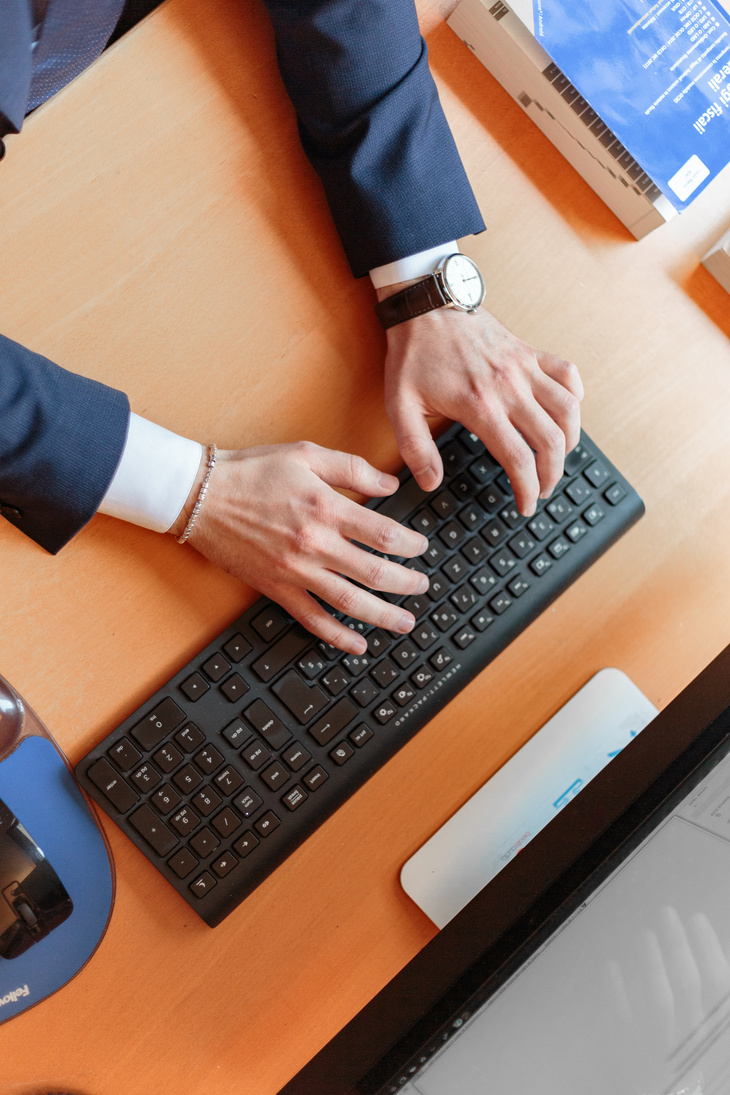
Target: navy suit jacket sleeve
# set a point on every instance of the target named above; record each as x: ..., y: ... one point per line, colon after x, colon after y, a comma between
x: 372, y: 126
x: 61, y: 437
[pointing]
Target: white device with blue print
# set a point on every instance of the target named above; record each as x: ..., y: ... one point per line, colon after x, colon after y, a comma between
x: 56, y: 875
x: 525, y: 794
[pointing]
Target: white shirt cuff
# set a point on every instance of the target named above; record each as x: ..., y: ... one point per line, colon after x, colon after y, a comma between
x: 412, y: 266
x: 154, y: 477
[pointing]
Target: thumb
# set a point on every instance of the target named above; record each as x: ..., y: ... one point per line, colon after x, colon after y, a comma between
x: 415, y: 443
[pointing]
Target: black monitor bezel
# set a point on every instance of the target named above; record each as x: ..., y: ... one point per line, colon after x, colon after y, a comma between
x: 512, y: 914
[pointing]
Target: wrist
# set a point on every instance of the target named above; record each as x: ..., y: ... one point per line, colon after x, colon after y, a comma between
x: 180, y: 523
x: 386, y: 291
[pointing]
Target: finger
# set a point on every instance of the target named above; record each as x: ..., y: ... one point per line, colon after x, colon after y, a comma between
x: 547, y: 440
x: 344, y: 469
x: 362, y: 605
x: 312, y: 616
x: 375, y: 572
x: 508, y: 447
x: 563, y: 408
x: 367, y: 526
x: 415, y: 443
x: 563, y: 372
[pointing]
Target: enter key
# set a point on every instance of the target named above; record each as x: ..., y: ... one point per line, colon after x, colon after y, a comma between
x: 303, y: 700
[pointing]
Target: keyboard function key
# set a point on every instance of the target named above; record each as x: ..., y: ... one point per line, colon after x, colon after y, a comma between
x: 422, y: 677
x: 578, y: 491
x: 385, y: 712
x: 559, y: 508
x: 576, y: 531
x: 236, y: 733
x: 541, y: 526
x: 559, y: 547
x: 263, y: 719
x: 518, y: 586
x: 360, y: 735
x: 500, y: 603
x: 441, y: 659
x: 464, y: 637
x: 541, y: 564
x: 424, y: 636
x: 594, y: 514
x: 614, y: 494
x: 255, y: 754
x: 296, y: 756
x: 275, y: 775
x: 404, y: 694
x: 596, y: 473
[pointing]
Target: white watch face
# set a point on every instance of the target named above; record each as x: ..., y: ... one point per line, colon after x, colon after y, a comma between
x: 463, y: 281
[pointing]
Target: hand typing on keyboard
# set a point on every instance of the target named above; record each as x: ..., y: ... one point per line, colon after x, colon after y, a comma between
x: 522, y: 403
x: 273, y: 519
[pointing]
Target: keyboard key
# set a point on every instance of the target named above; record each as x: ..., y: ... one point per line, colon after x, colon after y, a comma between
x: 434, y: 554
x: 404, y: 694
x: 424, y: 636
x: 296, y: 756
x: 145, y: 778
x: 559, y: 508
x: 194, y: 687
x: 444, y: 504
x: 440, y: 659
x: 378, y: 643
x: 234, y: 688
x: 224, y: 865
x: 418, y: 605
x: 255, y: 754
x: 472, y: 516
x: 464, y: 638
x: 503, y: 562
x: 185, y: 820
x: 275, y: 775
x: 167, y: 758
x: 237, y: 648
x: 248, y: 802
x: 452, y: 534
x: 511, y: 516
x: 183, y: 862
x: 189, y: 737
x: 482, y: 620
x: 384, y: 713
x: 111, y: 784
x: 360, y: 735
x: 365, y: 692
x: 559, y: 547
x: 594, y: 514
x: 228, y: 781
x: 384, y: 673
x: 596, y: 473
x: 315, y: 778
x: 464, y: 598
x: 208, y: 760
x: 226, y: 822
x: 335, y: 681
x: 454, y: 456
x: 215, y: 668
x: 500, y: 603
x: 303, y: 700
x: 336, y: 719
x: 281, y: 653
x: 246, y: 844
x: 311, y: 665
x: 578, y: 491
x: 342, y: 753
x: 236, y: 733
x: 161, y: 721
x: 424, y: 522
x: 483, y: 581
x: 438, y: 587
x: 263, y: 719
x: 405, y: 500
x: 205, y: 842
x: 483, y: 469
x: 473, y: 444
x: 166, y: 799
x: 154, y: 831
x: 124, y: 754
x: 521, y: 544
x: 206, y: 801
x: 474, y: 551
x: 518, y: 586
x: 463, y: 486
x: 541, y: 526
x: 576, y: 531
x: 455, y: 569
x: 494, y: 532
x: 404, y: 654
x: 356, y: 663
x: 267, y: 823
x: 491, y: 498
x: 202, y: 885
x: 576, y: 459
x: 541, y: 564
x: 294, y: 798
x: 269, y: 623
x: 614, y: 494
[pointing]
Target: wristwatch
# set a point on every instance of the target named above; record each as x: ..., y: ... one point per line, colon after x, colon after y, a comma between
x: 455, y: 283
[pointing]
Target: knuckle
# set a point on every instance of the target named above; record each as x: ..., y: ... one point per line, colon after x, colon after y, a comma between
x: 348, y: 600
x: 386, y: 536
x: 553, y: 440
x: 376, y: 575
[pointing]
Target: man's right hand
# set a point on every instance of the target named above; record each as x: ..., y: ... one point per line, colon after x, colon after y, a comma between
x: 272, y: 518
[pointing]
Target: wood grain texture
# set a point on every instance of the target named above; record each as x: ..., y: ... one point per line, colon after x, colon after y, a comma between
x: 163, y: 232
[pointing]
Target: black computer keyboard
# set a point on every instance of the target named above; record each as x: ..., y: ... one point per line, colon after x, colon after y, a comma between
x: 246, y: 750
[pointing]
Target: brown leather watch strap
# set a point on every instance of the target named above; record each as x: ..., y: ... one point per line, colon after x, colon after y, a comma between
x: 410, y: 302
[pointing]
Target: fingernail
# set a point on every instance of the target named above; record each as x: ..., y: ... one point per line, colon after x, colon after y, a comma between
x: 427, y: 476
x: 530, y: 510
x: 423, y: 586
x: 360, y: 645
x: 388, y: 482
x: 406, y: 623
x: 424, y: 547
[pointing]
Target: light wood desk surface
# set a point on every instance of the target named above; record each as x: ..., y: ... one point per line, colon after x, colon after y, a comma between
x: 161, y: 231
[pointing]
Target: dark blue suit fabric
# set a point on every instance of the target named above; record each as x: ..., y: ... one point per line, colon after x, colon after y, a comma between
x: 372, y: 126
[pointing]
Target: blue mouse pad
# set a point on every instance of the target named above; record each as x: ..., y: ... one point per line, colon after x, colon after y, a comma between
x: 56, y: 880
